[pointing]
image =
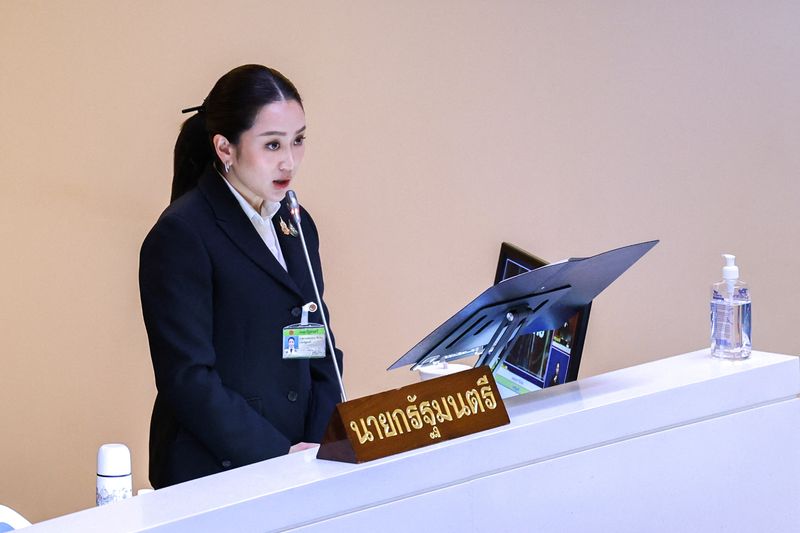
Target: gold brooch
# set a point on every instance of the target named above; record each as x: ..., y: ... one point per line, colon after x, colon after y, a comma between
x: 287, y: 229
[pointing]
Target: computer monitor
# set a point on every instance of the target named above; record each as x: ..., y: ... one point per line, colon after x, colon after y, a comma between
x: 540, y: 359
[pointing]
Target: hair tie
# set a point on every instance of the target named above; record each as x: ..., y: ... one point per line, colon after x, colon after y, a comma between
x: 199, y: 109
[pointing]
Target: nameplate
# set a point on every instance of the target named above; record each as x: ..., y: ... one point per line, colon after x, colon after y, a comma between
x: 413, y: 416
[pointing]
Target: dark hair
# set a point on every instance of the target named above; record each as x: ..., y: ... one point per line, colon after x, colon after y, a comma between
x: 229, y: 109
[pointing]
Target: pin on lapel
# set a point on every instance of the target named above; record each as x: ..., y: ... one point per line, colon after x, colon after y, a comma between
x: 288, y: 229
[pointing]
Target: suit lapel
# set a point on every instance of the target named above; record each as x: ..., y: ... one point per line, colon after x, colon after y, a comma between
x: 291, y: 246
x: 234, y: 223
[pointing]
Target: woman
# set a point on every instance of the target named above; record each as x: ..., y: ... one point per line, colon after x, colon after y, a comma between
x: 221, y: 274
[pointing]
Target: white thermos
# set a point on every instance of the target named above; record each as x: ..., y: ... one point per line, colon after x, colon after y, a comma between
x: 114, y: 481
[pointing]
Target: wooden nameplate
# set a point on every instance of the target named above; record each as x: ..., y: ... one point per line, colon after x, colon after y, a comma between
x: 413, y: 416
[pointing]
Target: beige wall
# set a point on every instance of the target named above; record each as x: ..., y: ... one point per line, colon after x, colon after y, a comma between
x: 436, y: 131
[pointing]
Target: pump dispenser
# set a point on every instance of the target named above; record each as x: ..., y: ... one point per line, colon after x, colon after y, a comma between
x: 730, y: 314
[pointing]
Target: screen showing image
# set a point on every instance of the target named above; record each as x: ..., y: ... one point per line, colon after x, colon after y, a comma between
x: 541, y: 359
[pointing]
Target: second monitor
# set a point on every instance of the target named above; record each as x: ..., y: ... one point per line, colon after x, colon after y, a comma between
x: 537, y: 359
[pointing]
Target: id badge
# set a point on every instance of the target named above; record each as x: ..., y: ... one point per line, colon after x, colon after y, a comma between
x: 304, y: 341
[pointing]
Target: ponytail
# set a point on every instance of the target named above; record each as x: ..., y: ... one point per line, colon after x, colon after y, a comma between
x: 192, y: 154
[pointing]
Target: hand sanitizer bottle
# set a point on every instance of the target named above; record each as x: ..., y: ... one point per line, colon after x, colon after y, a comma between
x: 730, y: 314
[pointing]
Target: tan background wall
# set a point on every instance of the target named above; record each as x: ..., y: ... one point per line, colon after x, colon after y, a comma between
x: 436, y: 131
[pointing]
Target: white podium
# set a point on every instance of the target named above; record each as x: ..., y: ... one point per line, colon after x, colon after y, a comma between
x: 687, y: 443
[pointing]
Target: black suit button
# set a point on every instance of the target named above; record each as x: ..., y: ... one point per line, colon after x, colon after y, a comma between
x: 292, y: 396
x: 296, y: 311
x: 226, y: 464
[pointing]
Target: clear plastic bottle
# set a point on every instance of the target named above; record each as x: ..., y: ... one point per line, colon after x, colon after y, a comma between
x: 730, y: 314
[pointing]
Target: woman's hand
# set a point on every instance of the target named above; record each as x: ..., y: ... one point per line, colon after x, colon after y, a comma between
x: 300, y: 446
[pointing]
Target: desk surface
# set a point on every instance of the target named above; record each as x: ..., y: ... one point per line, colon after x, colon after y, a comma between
x: 588, y: 413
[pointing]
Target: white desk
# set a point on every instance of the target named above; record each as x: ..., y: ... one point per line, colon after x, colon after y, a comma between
x: 687, y: 443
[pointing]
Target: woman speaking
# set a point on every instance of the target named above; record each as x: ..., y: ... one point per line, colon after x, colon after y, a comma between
x: 221, y: 274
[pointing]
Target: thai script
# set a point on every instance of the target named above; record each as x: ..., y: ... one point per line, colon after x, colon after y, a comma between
x: 425, y: 415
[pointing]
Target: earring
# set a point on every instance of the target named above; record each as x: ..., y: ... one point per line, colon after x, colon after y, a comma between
x: 227, y: 166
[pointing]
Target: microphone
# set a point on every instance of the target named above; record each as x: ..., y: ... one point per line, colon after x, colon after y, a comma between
x: 294, y: 210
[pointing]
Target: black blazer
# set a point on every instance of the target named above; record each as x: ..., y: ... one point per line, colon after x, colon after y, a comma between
x: 215, y: 301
